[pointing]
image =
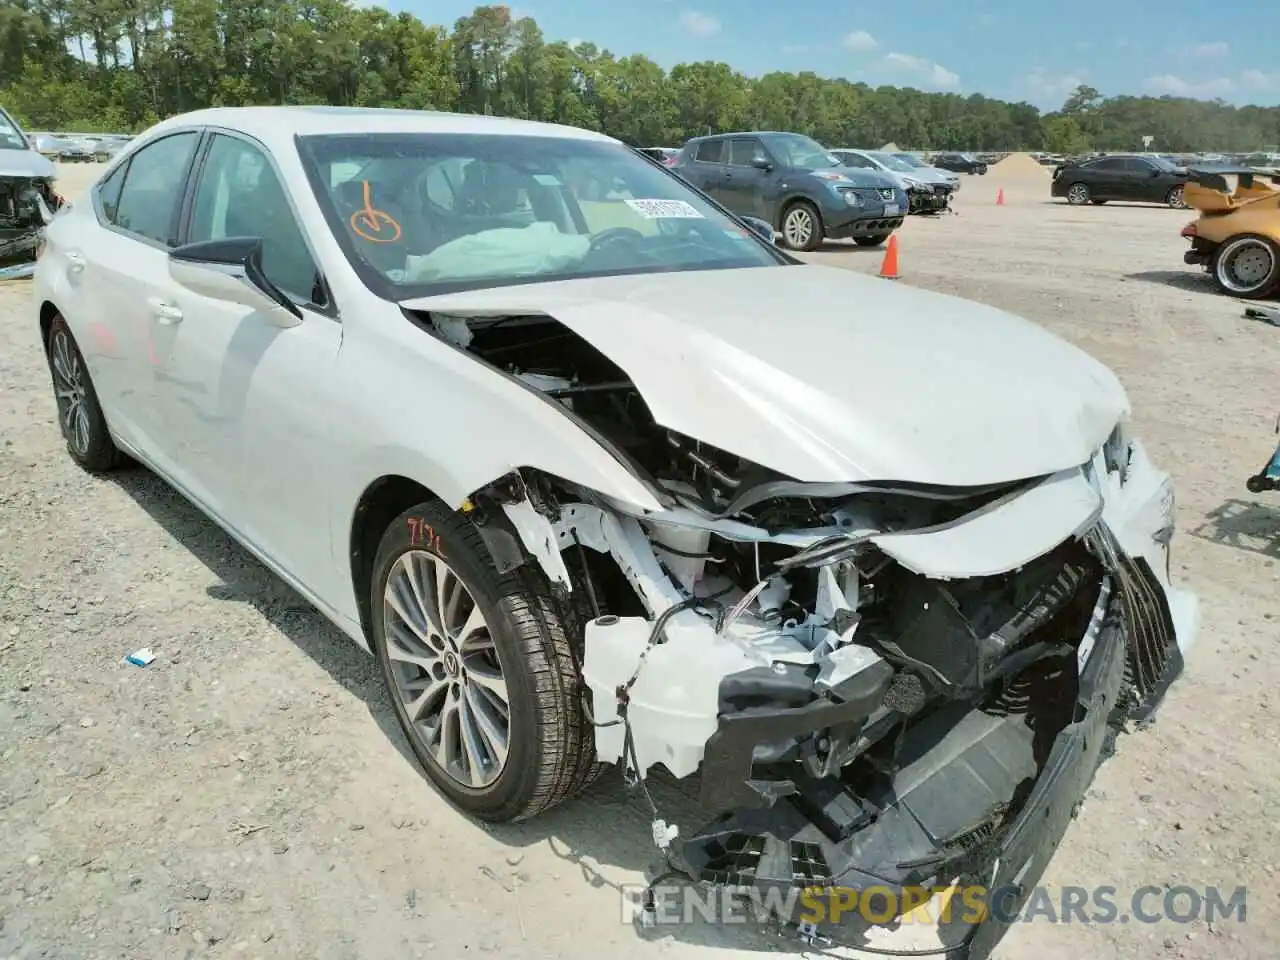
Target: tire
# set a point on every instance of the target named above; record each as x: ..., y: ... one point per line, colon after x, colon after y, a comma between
x: 550, y: 746
x: 794, y: 215
x: 1078, y: 194
x: 80, y: 418
x: 1257, y: 257
x: 871, y: 241
x: 1175, y: 199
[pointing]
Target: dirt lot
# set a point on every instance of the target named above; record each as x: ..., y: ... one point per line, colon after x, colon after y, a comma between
x: 249, y: 795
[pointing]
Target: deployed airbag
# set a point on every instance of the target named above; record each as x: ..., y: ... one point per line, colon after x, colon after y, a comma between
x: 522, y: 251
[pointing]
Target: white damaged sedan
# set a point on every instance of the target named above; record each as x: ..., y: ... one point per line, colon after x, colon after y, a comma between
x: 602, y: 477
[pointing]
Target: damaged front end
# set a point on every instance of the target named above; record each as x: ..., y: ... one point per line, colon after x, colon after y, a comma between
x: 882, y: 684
x: 27, y: 204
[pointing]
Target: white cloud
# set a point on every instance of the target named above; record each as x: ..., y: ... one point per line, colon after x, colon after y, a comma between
x: 930, y: 74
x: 1175, y: 86
x: 1053, y: 85
x: 1260, y: 79
x: 859, y: 41
x: 699, y: 24
x: 1167, y: 83
x: 1216, y: 48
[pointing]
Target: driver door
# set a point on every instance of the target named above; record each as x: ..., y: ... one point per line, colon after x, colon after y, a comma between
x: 257, y: 392
x: 746, y: 184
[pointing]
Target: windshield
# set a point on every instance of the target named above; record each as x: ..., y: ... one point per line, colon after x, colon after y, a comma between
x: 892, y: 162
x: 11, y: 137
x: 911, y: 161
x: 800, y: 152
x: 418, y: 214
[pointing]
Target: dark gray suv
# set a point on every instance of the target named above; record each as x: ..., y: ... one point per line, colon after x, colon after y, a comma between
x: 792, y: 182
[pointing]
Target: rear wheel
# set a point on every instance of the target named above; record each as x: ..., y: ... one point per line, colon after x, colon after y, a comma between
x: 802, y: 226
x: 871, y: 241
x: 80, y: 417
x: 1078, y: 193
x: 1175, y: 199
x: 480, y: 669
x: 1247, y: 266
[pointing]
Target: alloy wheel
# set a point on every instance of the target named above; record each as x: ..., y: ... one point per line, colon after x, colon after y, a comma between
x: 1246, y: 265
x: 1078, y: 193
x: 798, y: 227
x: 446, y: 669
x: 69, y: 391
x: 1175, y: 199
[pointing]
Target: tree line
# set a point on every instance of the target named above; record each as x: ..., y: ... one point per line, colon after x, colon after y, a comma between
x: 121, y: 65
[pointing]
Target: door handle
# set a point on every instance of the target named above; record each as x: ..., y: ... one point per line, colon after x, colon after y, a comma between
x: 75, y: 261
x: 165, y: 312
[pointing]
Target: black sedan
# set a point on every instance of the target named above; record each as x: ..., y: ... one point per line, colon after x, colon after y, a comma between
x: 1140, y: 178
x: 960, y: 163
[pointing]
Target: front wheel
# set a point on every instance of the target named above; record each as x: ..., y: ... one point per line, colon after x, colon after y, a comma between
x: 871, y: 241
x: 802, y: 226
x: 1247, y: 266
x: 1078, y: 194
x: 479, y: 668
x: 80, y: 417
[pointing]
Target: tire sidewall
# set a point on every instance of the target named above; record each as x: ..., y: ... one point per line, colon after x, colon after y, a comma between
x: 517, y: 781
x: 101, y: 448
x: 1273, y: 279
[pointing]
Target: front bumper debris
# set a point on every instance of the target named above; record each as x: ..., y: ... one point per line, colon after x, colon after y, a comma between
x: 980, y: 794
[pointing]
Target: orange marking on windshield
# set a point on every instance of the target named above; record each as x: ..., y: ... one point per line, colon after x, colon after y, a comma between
x: 372, y: 224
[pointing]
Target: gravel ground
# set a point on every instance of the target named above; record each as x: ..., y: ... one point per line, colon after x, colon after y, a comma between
x: 248, y: 794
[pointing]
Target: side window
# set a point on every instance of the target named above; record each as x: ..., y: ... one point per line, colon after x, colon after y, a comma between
x: 109, y: 192
x: 855, y: 160
x: 1138, y: 165
x: 744, y: 150
x: 239, y: 195
x: 711, y: 151
x: 147, y: 202
x: 442, y: 182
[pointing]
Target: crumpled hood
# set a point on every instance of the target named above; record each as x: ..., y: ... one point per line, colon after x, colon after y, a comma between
x: 25, y: 163
x: 826, y: 375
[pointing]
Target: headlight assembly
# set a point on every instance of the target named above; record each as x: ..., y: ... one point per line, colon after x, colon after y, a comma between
x: 1116, y: 451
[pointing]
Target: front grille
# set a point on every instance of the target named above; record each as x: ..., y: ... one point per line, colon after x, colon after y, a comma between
x: 1153, y: 658
x: 886, y: 193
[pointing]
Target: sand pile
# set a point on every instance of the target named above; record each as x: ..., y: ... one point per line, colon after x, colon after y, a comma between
x: 1020, y: 166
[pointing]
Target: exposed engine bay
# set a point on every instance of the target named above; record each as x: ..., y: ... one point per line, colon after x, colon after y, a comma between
x: 26, y: 205
x: 879, y: 683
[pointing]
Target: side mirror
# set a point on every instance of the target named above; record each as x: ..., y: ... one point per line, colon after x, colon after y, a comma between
x: 762, y: 228
x: 762, y: 163
x: 230, y: 270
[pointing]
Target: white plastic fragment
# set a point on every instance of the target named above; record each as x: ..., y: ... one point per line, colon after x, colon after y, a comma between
x: 141, y: 658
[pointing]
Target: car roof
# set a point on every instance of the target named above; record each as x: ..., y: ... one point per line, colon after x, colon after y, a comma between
x: 273, y: 125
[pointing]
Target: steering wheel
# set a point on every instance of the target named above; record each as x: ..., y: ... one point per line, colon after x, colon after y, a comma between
x: 613, y: 235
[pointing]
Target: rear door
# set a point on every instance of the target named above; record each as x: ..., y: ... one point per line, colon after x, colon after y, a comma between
x: 1107, y: 179
x: 128, y: 260
x: 708, y: 168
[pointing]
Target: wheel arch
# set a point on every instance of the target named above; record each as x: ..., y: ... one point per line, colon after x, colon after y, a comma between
x: 48, y: 310
x: 382, y: 501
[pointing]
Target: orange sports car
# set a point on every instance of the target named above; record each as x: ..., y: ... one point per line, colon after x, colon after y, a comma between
x: 1237, y: 238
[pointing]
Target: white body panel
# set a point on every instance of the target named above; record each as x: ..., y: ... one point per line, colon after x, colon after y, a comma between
x: 277, y: 429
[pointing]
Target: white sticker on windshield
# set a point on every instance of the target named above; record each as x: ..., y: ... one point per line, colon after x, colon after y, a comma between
x: 665, y: 209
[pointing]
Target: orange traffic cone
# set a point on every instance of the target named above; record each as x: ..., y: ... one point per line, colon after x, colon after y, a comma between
x: 1000, y: 197
x: 889, y: 266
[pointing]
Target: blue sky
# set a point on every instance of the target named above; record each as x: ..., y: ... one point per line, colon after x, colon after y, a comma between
x: 1013, y: 49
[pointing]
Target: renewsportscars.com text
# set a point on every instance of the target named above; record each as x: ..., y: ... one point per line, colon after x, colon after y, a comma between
x: 678, y: 904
